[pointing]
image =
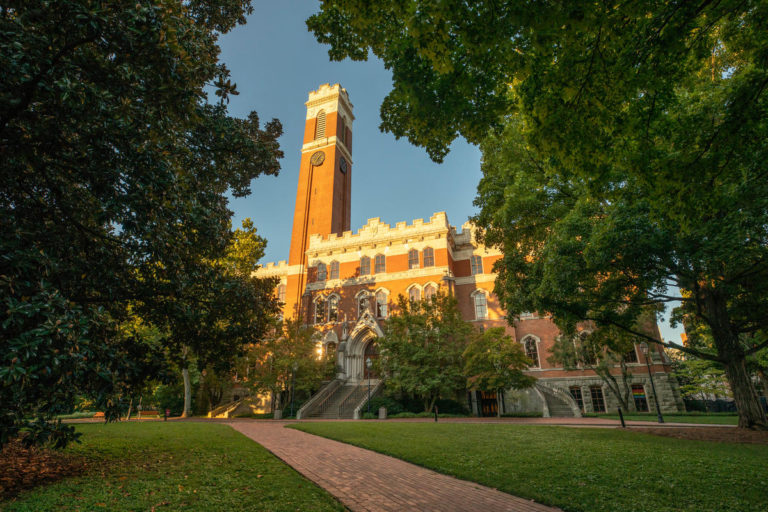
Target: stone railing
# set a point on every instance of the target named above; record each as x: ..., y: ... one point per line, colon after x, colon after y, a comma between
x: 562, y: 395
x: 374, y: 390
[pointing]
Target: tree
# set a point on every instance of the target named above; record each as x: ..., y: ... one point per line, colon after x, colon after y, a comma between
x: 421, y: 351
x: 492, y: 360
x: 626, y: 167
x: 115, y: 171
x: 219, y: 312
x: 603, y: 351
x: 285, y: 360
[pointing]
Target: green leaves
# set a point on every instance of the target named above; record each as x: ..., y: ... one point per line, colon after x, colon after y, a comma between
x: 114, y: 172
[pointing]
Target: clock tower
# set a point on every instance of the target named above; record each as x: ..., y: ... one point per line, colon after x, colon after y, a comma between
x: 323, y: 193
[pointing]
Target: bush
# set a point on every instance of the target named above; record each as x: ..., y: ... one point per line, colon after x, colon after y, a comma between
x: 392, y: 405
x: 369, y: 415
x: 532, y: 414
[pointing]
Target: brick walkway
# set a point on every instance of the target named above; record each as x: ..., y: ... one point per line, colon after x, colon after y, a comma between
x: 367, y: 481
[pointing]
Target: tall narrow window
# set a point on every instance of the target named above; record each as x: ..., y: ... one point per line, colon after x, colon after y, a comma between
x: 365, y: 266
x: 281, y: 293
x: 429, y: 292
x: 532, y: 351
x: 641, y: 401
x: 333, y: 309
x: 381, y: 304
x: 413, y: 258
x: 342, y: 130
x: 429, y: 257
x: 477, y: 265
x: 320, y: 126
x: 321, y: 272
x: 380, y: 264
x: 598, y: 402
x: 481, y: 306
x: 576, y: 394
x: 334, y: 270
x: 320, y: 311
x: 414, y: 294
x: 363, y: 305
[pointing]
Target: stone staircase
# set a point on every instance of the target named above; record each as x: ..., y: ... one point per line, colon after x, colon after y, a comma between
x: 339, y: 404
x: 559, y: 403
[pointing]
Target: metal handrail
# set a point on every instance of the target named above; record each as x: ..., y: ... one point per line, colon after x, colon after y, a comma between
x: 324, y: 394
x: 347, y: 398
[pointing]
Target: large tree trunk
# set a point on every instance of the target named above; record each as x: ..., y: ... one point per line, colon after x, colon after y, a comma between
x: 751, y: 413
x: 731, y: 353
x: 187, y: 393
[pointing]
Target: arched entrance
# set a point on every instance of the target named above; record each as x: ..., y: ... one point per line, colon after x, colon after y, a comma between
x: 372, y: 353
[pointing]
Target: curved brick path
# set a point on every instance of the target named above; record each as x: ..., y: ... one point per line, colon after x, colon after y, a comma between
x: 368, y: 481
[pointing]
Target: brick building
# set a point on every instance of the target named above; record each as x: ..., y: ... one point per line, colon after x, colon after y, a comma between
x: 346, y: 283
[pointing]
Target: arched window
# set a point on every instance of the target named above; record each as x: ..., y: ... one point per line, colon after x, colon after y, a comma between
x: 334, y: 270
x: 281, y: 293
x: 363, y: 304
x: 481, y: 306
x: 321, y: 272
x: 477, y: 265
x: 414, y: 294
x: 320, y: 311
x: 381, y: 304
x: 531, y: 351
x: 330, y: 351
x: 320, y: 126
x: 333, y: 308
x: 365, y: 266
x: 379, y: 265
x: 413, y: 258
x: 429, y: 257
x: 429, y: 292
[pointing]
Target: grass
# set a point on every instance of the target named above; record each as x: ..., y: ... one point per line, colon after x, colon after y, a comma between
x: 173, y: 466
x: 705, y: 419
x: 577, y: 469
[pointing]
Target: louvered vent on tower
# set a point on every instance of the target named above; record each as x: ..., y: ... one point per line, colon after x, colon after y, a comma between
x: 320, y: 127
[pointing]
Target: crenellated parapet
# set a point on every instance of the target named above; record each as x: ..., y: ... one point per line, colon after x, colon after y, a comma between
x: 376, y: 234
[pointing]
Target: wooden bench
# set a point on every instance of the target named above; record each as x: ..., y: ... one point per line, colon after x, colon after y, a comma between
x: 149, y: 413
x: 99, y: 415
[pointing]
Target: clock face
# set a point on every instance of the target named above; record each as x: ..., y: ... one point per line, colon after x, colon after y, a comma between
x: 343, y: 165
x: 317, y: 158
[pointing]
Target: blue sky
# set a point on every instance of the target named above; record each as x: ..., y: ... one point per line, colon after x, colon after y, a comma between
x: 275, y: 62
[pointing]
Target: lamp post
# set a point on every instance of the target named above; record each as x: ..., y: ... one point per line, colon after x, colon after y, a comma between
x: 293, y: 377
x: 644, y: 349
x: 368, y: 364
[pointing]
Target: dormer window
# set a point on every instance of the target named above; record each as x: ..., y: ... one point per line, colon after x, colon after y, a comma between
x: 413, y: 258
x: 334, y: 270
x: 477, y: 265
x: 429, y: 257
x: 321, y: 272
x: 365, y: 266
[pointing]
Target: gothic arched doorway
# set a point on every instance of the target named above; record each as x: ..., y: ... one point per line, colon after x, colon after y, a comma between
x: 372, y: 353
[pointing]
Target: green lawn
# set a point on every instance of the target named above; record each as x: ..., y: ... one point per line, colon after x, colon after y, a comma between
x: 577, y: 469
x: 678, y: 418
x: 173, y: 466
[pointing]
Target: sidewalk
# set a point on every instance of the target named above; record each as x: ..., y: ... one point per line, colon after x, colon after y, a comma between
x: 368, y: 481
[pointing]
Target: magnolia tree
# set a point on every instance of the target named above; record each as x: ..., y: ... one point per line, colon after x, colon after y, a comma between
x: 115, y: 171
